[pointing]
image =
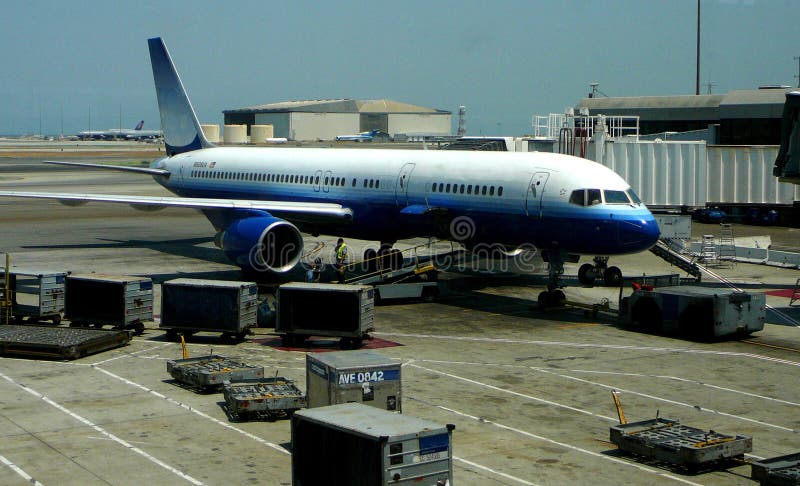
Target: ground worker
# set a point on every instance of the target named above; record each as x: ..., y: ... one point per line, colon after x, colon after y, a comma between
x: 341, y: 259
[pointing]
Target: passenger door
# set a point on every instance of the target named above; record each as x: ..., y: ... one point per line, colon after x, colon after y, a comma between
x: 402, y: 183
x: 535, y: 197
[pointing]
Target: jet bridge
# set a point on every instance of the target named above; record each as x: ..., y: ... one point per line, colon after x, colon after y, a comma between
x: 787, y: 163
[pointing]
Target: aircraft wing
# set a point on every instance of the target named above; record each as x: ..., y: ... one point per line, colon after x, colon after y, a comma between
x: 123, y: 168
x: 301, y: 210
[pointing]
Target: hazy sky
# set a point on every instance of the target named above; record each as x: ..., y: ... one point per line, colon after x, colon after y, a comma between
x: 503, y: 60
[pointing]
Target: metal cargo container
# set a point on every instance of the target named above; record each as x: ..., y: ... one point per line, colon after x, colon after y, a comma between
x: 211, y: 371
x: 700, y: 312
x: 353, y: 376
x: 122, y: 301
x: 270, y: 398
x: 195, y: 305
x: 357, y: 445
x: 37, y: 295
x: 317, y: 309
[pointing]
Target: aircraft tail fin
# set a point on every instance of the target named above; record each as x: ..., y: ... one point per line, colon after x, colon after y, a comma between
x: 182, y: 132
x: 139, y: 125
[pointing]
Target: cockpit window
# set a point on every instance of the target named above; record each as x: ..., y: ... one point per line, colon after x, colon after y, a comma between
x: 593, y: 197
x: 634, y: 197
x: 577, y: 197
x: 616, y: 197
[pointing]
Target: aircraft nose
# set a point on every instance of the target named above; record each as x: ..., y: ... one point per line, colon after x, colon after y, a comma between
x: 639, y: 234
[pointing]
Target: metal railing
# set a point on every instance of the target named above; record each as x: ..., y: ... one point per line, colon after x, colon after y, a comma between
x: 549, y: 126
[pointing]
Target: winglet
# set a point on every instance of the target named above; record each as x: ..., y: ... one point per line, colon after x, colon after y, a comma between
x: 182, y: 132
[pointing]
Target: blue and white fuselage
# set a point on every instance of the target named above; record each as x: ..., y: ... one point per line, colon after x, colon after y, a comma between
x: 260, y: 199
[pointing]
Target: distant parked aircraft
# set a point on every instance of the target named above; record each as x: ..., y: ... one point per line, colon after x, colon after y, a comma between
x: 361, y: 137
x: 121, y: 133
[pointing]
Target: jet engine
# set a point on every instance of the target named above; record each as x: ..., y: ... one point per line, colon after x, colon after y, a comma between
x: 262, y: 244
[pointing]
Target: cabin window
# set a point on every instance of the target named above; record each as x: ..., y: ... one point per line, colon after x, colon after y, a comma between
x: 441, y: 187
x: 354, y: 182
x: 469, y: 189
x: 447, y: 188
x: 500, y: 191
x: 433, y: 187
x: 377, y: 183
x: 461, y: 189
x: 483, y: 191
x: 365, y: 183
x: 616, y: 197
x: 371, y: 182
x: 491, y: 191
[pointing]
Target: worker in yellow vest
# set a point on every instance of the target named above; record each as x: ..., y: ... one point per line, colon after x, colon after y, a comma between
x: 341, y: 259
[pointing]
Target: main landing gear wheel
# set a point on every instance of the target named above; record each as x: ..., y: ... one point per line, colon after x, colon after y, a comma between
x: 551, y: 298
x: 370, y: 259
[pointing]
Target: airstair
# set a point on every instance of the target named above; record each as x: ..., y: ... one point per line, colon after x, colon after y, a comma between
x: 663, y: 250
x: 727, y: 245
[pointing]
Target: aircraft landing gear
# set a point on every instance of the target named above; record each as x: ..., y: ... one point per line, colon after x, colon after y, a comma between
x: 587, y: 273
x: 553, y: 296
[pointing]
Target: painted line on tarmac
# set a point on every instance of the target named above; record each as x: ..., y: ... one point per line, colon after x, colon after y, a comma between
x: 127, y: 355
x: 666, y: 400
x: 562, y: 444
x: 27, y: 477
x: 492, y: 471
x: 511, y: 392
x: 104, y: 432
x: 626, y: 347
x: 193, y: 410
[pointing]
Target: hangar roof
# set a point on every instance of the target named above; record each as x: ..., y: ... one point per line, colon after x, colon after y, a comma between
x: 338, y: 106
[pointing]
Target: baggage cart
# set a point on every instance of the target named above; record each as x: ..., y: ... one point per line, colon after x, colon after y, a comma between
x: 318, y: 309
x: 58, y: 342
x: 211, y: 371
x: 36, y: 295
x: 268, y: 398
x: 670, y: 441
x: 192, y: 305
x: 121, y: 301
x: 777, y: 471
x: 353, y: 376
x: 363, y: 445
x: 696, y: 312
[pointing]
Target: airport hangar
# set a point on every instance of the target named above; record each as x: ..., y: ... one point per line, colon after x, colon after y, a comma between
x: 325, y: 119
x: 740, y: 117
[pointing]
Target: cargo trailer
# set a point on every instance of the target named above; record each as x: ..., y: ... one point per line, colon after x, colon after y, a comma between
x: 356, y: 445
x: 353, y: 376
x: 211, y: 371
x: 318, y: 309
x: 36, y: 295
x: 192, y: 305
x: 270, y: 398
x: 58, y: 342
x: 697, y: 312
x: 121, y: 301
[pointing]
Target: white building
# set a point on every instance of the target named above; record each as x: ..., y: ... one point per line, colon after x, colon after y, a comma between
x: 325, y: 119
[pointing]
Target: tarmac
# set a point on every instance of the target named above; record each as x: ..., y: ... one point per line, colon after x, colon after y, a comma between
x: 529, y: 391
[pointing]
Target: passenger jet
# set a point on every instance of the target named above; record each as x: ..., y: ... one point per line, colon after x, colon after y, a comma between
x: 259, y: 199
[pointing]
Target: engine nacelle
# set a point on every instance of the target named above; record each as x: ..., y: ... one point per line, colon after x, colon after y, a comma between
x: 262, y: 244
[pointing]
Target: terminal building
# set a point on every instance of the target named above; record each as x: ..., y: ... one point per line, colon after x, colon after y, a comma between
x: 741, y: 117
x: 325, y: 119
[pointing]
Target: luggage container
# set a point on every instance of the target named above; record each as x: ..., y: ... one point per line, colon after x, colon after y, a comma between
x: 317, y: 309
x: 270, y: 398
x: 358, y: 445
x: 211, y: 371
x: 58, y: 342
x: 122, y: 301
x: 36, y: 295
x: 353, y: 376
x: 668, y: 440
x: 195, y: 305
x: 698, y: 312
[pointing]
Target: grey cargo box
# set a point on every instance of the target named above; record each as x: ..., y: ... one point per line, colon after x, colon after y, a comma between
x: 118, y: 300
x: 193, y: 305
x: 353, y: 376
x: 37, y: 294
x: 704, y: 312
x: 363, y: 445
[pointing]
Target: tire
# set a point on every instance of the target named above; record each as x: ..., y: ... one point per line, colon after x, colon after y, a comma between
x: 56, y: 320
x: 370, y: 260
x: 612, y: 277
x: 557, y: 297
x: 586, y: 274
x: 544, y: 299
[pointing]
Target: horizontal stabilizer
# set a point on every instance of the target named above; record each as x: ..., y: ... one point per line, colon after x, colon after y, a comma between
x: 138, y: 170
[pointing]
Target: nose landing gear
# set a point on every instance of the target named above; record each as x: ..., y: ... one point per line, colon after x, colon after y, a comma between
x: 588, y: 273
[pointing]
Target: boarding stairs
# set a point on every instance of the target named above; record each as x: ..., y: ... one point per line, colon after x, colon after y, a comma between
x: 795, y: 293
x: 727, y: 245
x: 664, y: 250
x: 398, y: 266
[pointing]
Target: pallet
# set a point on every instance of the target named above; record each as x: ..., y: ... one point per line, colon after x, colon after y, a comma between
x: 58, y: 342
